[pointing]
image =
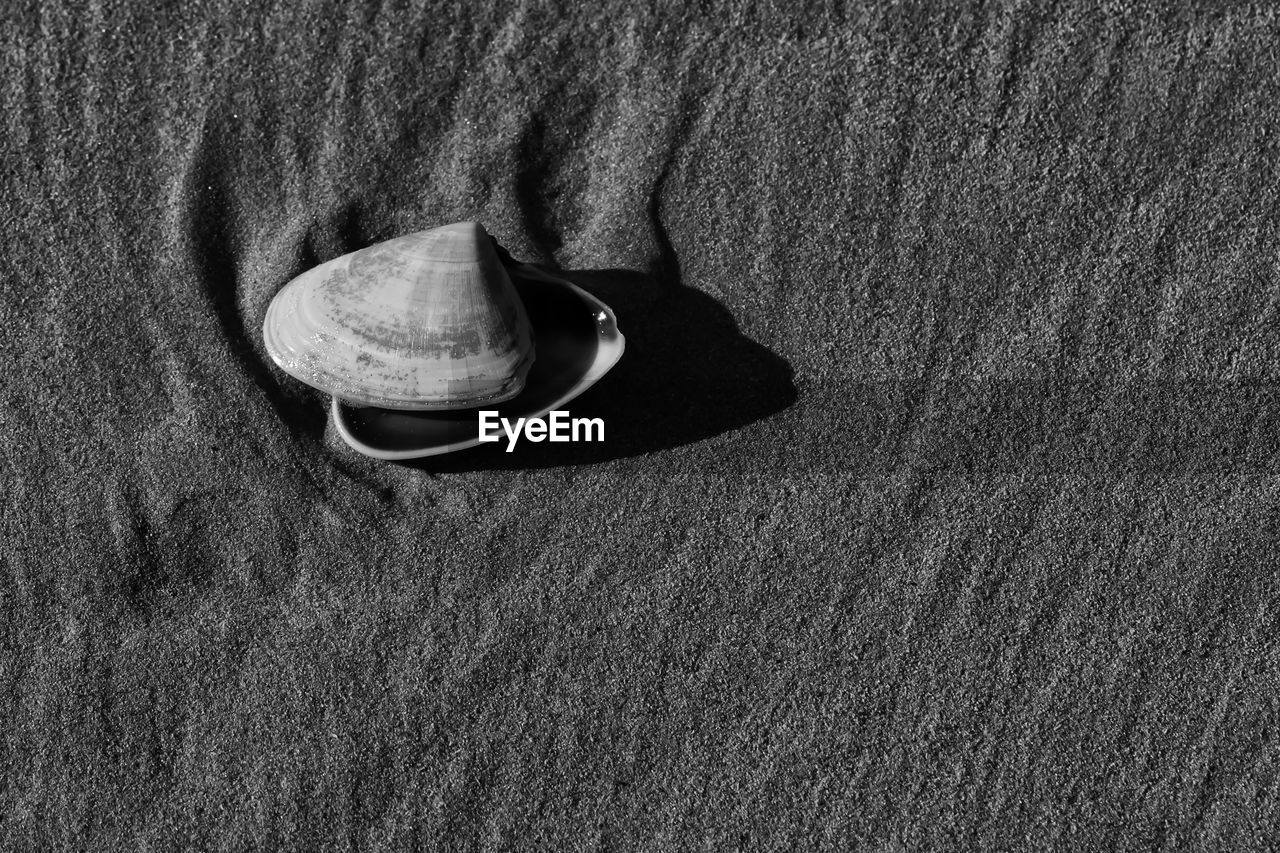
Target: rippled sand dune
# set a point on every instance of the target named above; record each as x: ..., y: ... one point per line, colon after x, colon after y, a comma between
x: 938, y: 503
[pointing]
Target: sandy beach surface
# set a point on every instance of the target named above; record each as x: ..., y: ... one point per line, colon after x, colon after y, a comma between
x: 938, y: 503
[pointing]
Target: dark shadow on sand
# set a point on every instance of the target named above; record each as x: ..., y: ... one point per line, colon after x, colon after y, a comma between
x: 688, y: 374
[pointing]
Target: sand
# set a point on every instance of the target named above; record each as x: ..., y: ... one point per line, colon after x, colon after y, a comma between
x: 937, y: 507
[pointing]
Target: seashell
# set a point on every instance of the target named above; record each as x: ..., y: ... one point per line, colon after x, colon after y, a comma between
x: 578, y: 343
x: 427, y: 321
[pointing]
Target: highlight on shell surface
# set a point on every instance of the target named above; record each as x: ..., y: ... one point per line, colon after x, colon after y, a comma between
x: 427, y: 321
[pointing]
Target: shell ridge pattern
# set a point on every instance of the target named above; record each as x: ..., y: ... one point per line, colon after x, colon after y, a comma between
x: 426, y: 321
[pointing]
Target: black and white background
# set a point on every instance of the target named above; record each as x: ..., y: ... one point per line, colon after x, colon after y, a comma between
x: 938, y: 506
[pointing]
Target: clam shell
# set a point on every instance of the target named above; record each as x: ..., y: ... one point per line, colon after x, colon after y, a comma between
x: 578, y: 340
x: 423, y: 322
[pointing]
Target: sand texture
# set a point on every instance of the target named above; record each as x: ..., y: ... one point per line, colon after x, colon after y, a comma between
x: 940, y: 498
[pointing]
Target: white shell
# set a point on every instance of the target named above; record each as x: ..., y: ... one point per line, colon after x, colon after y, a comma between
x: 427, y: 321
